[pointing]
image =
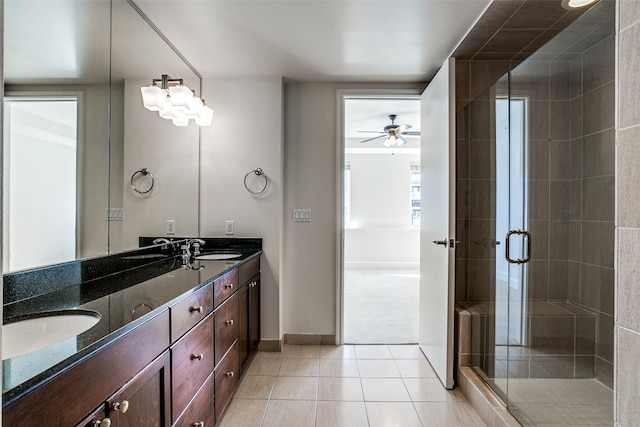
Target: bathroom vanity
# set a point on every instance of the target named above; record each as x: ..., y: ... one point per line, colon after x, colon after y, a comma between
x: 169, y: 348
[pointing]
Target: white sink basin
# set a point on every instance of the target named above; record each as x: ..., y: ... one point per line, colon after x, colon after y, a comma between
x: 33, y: 334
x: 218, y: 256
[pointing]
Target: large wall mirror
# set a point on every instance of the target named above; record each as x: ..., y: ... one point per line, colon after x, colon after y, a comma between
x: 76, y: 133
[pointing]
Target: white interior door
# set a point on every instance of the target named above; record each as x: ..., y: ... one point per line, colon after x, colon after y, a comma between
x: 437, y: 253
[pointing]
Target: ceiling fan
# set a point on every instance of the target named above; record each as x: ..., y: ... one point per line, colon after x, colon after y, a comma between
x: 392, y: 132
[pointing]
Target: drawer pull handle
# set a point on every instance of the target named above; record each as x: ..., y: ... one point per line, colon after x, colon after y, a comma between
x: 200, y: 424
x: 230, y: 374
x: 121, y: 407
x: 197, y: 356
x: 229, y: 322
x: 229, y: 286
x: 104, y: 423
x: 198, y: 309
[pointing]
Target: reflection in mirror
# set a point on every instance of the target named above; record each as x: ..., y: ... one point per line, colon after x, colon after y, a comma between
x: 141, y: 140
x: 75, y: 131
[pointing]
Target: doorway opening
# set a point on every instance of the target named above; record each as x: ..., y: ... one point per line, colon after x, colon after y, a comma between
x: 40, y: 163
x: 381, y: 189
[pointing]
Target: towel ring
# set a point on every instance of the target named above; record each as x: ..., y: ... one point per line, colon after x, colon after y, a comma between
x: 143, y: 172
x: 257, y: 172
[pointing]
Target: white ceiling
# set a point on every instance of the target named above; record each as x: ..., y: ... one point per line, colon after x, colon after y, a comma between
x: 316, y: 40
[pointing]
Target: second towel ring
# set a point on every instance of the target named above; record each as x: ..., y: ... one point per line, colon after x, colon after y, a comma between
x: 257, y: 172
x: 143, y: 172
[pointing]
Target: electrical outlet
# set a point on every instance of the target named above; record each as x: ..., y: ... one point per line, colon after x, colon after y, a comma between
x: 171, y: 226
x: 228, y: 227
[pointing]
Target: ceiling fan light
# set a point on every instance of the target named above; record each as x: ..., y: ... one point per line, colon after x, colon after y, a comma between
x: 205, y: 117
x: 180, y: 96
x: 153, y: 97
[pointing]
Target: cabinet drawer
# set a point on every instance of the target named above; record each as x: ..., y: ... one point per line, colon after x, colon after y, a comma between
x: 201, y: 408
x: 249, y: 269
x: 224, y: 286
x: 191, y: 363
x: 226, y: 380
x: 226, y: 319
x: 190, y: 311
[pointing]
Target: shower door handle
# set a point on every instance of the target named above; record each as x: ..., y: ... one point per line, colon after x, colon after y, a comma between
x: 443, y: 242
x: 527, y: 237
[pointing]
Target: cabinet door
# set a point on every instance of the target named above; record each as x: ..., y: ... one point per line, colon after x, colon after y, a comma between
x: 243, y: 323
x: 254, y: 313
x: 144, y: 401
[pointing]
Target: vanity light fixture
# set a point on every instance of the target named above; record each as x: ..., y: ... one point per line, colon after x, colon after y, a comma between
x: 176, y: 102
x: 572, y: 4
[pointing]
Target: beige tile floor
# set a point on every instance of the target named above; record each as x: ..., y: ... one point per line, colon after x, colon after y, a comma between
x: 350, y: 386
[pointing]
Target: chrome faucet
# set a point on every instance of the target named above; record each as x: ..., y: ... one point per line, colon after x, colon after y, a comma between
x: 186, y: 254
x: 164, y: 242
x: 196, y: 243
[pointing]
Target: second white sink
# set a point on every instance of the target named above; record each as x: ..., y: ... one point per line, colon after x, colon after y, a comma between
x: 212, y: 257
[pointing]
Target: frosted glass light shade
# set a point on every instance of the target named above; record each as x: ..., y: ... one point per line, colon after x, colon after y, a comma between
x: 580, y: 3
x: 153, y: 97
x: 180, y: 120
x: 168, y: 111
x: 180, y: 97
x: 205, y: 117
x: 195, y: 106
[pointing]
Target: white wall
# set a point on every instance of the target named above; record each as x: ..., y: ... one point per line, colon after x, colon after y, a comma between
x: 246, y: 133
x: 310, y: 270
x: 380, y: 233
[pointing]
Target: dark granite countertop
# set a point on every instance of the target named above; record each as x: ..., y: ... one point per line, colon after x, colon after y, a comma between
x: 125, y: 297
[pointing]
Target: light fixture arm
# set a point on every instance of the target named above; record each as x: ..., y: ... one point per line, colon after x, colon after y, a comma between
x: 165, y: 82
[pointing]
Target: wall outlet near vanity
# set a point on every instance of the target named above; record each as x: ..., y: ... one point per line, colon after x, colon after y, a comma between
x: 228, y: 227
x: 171, y: 226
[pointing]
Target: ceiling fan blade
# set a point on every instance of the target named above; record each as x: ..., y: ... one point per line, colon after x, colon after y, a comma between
x: 375, y: 137
x: 402, y: 128
x: 411, y: 133
x: 370, y: 131
x: 404, y: 141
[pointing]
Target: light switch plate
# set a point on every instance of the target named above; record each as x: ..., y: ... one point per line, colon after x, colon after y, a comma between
x: 302, y: 215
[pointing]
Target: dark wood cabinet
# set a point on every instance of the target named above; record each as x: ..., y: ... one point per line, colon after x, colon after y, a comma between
x: 249, y: 310
x: 192, y: 360
x: 144, y: 400
x: 243, y: 325
x: 102, y: 374
x: 179, y: 368
x: 224, y: 287
x: 254, y: 314
x: 200, y: 411
x: 226, y: 374
x: 188, y: 312
x: 226, y: 324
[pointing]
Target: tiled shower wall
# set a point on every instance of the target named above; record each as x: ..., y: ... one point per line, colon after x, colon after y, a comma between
x: 628, y: 216
x: 591, y: 234
x: 571, y: 200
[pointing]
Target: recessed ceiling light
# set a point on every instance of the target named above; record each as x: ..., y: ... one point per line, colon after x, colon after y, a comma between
x: 572, y: 4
